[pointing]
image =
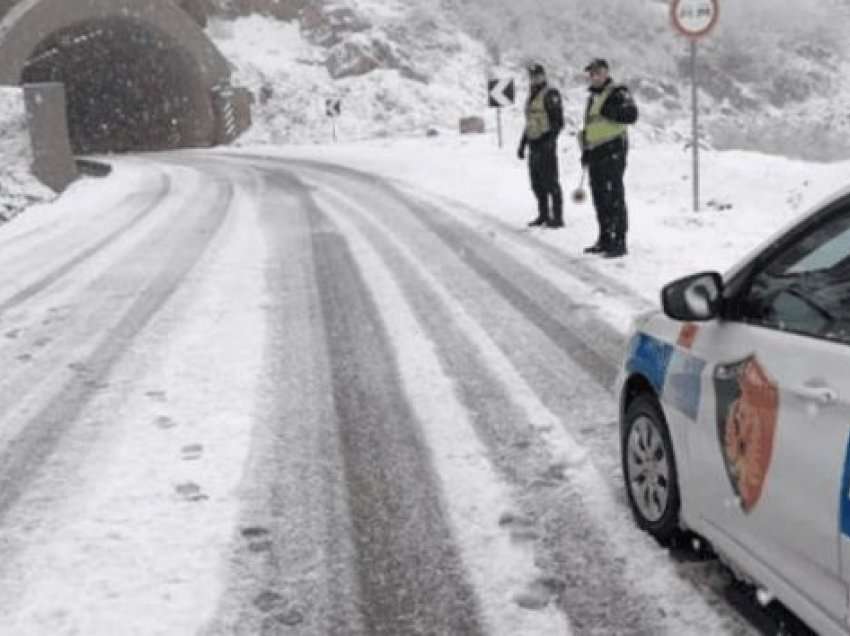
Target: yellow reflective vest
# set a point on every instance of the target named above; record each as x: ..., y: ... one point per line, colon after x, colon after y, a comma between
x: 598, y: 129
x: 537, y: 121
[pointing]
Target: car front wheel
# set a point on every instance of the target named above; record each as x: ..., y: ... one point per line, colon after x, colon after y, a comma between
x: 649, y: 469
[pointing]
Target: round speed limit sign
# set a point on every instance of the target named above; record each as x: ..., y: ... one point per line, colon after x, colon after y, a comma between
x: 694, y: 18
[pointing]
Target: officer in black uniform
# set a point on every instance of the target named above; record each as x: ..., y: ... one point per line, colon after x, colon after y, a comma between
x: 544, y: 121
x: 604, y: 143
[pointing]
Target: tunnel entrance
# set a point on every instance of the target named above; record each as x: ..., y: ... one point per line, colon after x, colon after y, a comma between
x: 128, y: 87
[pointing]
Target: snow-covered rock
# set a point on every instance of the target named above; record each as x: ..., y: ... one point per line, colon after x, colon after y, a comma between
x: 18, y: 187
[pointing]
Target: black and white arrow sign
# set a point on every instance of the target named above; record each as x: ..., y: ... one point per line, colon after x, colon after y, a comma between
x: 501, y: 92
x: 333, y: 107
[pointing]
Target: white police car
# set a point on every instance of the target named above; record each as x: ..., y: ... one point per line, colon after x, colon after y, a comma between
x: 735, y: 416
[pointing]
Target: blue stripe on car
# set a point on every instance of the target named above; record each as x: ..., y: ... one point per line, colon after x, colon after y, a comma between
x: 650, y: 357
x: 844, y: 495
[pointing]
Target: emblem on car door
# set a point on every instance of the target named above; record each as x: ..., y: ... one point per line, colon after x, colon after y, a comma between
x: 747, y: 413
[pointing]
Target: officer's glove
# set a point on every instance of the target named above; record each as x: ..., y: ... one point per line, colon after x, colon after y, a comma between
x: 585, y: 158
x: 521, y: 152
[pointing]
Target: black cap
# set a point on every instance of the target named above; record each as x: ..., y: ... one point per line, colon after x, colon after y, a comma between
x: 596, y: 64
x: 536, y: 69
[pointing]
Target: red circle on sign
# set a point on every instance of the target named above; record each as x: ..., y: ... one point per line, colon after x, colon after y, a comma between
x: 674, y: 7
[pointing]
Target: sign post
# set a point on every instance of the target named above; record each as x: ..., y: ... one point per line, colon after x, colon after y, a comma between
x: 694, y: 19
x: 333, y: 109
x: 501, y: 93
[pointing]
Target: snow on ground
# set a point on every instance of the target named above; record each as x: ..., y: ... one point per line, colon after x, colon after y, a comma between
x: 498, y: 567
x: 746, y: 198
x: 174, y: 428
x: 18, y: 187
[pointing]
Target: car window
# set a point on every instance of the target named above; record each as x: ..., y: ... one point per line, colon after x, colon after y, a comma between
x: 805, y: 288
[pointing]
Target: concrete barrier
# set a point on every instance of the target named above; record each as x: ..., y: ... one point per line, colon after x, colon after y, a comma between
x: 53, y: 162
x: 471, y: 126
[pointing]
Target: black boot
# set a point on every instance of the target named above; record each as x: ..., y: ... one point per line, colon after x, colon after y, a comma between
x: 542, y: 209
x: 596, y: 248
x: 617, y: 248
x: 557, y: 219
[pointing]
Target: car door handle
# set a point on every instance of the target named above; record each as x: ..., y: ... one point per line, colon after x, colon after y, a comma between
x: 820, y: 393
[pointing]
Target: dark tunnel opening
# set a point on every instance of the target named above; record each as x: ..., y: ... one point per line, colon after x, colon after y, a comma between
x: 128, y: 87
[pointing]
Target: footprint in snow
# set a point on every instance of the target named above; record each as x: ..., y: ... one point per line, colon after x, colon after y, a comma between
x: 556, y: 471
x: 12, y: 335
x: 268, y: 601
x: 521, y: 443
x: 291, y: 618
x: 156, y: 396
x: 192, y: 452
x: 42, y: 342
x: 24, y: 357
x: 544, y: 483
x: 522, y: 529
x: 55, y: 315
x: 258, y: 539
x: 165, y: 422
x: 96, y: 384
x: 541, y: 592
x: 190, y: 491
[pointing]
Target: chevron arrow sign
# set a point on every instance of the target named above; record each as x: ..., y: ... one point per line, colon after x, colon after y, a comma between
x: 501, y: 92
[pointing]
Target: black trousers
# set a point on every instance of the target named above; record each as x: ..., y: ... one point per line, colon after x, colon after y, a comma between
x: 543, y: 170
x: 609, y: 197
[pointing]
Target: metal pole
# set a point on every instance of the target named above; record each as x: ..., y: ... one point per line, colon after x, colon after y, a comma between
x: 333, y: 128
x: 695, y: 122
x: 499, y: 123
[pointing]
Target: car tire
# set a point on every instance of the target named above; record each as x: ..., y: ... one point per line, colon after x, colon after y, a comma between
x: 649, y: 469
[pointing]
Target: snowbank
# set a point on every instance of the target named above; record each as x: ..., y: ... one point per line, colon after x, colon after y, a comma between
x: 18, y: 187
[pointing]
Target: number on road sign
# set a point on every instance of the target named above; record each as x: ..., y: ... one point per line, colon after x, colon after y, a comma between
x: 501, y: 92
x: 694, y: 18
x: 333, y: 107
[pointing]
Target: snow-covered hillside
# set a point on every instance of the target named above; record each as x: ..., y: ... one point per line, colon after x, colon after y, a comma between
x: 772, y: 78
x: 397, y: 71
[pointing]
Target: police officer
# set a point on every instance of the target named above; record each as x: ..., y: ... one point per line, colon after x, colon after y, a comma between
x: 605, y: 143
x: 544, y: 121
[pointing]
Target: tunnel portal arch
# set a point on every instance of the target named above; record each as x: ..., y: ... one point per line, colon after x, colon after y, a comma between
x: 138, y: 75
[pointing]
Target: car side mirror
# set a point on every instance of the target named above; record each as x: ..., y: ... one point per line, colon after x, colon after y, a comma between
x: 694, y: 298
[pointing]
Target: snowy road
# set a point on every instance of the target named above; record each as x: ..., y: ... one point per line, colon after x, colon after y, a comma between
x: 245, y: 395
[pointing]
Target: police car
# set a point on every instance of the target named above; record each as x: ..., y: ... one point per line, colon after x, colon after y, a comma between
x: 735, y: 416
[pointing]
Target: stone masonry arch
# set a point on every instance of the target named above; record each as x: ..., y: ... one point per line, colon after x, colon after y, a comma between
x: 138, y: 75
